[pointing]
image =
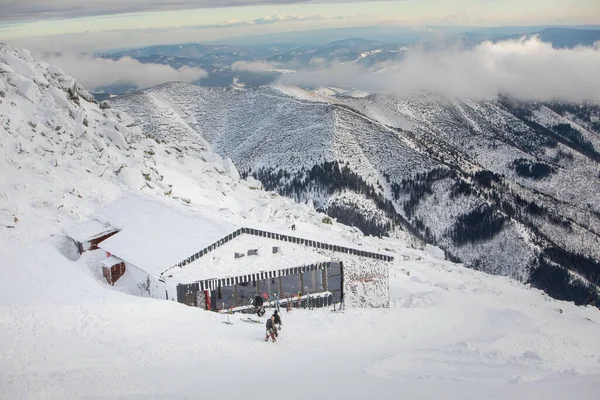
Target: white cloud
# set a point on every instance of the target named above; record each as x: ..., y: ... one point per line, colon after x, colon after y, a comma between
x: 95, y: 72
x: 254, y: 66
x: 528, y: 69
x: 271, y: 19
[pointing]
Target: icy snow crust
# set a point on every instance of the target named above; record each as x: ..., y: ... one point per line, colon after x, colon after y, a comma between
x: 450, y: 332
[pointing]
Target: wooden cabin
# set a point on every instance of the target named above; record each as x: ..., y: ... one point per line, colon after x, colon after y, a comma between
x: 112, y: 269
x: 204, y: 260
x: 89, y: 234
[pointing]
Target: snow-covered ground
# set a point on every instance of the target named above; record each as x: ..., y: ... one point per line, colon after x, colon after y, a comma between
x: 450, y: 333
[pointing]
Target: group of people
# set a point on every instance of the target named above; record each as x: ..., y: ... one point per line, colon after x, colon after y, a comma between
x: 274, y: 322
x: 273, y: 326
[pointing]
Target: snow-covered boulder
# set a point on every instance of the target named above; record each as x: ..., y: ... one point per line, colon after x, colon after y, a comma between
x: 262, y: 212
x: 435, y: 251
x: 5, y: 68
x: 54, y: 71
x: 230, y: 169
x: 19, y: 66
x: 114, y: 136
x: 211, y: 157
x: 84, y: 94
x: 25, y: 87
x: 60, y: 99
x: 131, y: 177
x: 40, y: 80
x: 253, y: 183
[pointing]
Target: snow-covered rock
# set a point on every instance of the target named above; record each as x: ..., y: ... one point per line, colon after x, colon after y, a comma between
x: 5, y: 68
x: 435, y: 251
x: 230, y: 169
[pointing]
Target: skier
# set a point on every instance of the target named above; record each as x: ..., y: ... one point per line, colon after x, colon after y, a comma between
x: 277, y: 317
x: 258, y: 306
x: 258, y: 301
x: 276, y: 322
x: 271, y: 330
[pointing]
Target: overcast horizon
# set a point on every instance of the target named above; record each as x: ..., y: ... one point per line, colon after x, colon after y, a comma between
x: 67, y: 32
x: 75, y: 25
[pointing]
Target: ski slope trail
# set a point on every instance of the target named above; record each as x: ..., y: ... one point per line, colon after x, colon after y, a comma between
x: 451, y: 333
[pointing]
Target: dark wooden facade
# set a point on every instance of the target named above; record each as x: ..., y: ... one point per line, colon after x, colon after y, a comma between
x: 92, y: 244
x: 188, y: 293
x: 112, y: 274
x: 95, y: 242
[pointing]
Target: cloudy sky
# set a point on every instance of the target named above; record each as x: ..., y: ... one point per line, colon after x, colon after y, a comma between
x: 72, y: 27
x: 525, y: 68
x: 103, y: 24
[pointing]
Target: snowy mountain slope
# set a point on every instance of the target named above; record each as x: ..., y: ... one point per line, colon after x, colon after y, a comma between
x: 273, y: 127
x: 63, y: 156
x: 482, y: 179
x: 515, y: 148
x: 450, y: 333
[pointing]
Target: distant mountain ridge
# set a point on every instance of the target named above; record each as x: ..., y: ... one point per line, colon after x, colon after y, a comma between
x: 228, y: 64
x: 503, y: 186
x: 562, y: 38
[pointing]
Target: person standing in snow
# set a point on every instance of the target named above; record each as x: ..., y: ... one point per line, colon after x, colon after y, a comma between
x: 271, y: 330
x: 276, y: 298
x: 258, y: 306
x: 276, y: 322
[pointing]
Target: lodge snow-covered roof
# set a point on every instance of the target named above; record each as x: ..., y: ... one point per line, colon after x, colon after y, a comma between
x: 158, y: 234
x: 221, y: 262
x: 88, y: 230
x: 312, y: 233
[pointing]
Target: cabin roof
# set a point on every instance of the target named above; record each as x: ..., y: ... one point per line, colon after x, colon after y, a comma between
x: 110, y: 261
x: 159, y: 235
x: 88, y: 230
x: 156, y: 235
x: 222, y: 263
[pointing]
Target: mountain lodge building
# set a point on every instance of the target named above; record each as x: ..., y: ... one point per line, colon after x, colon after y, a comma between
x: 205, y: 261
